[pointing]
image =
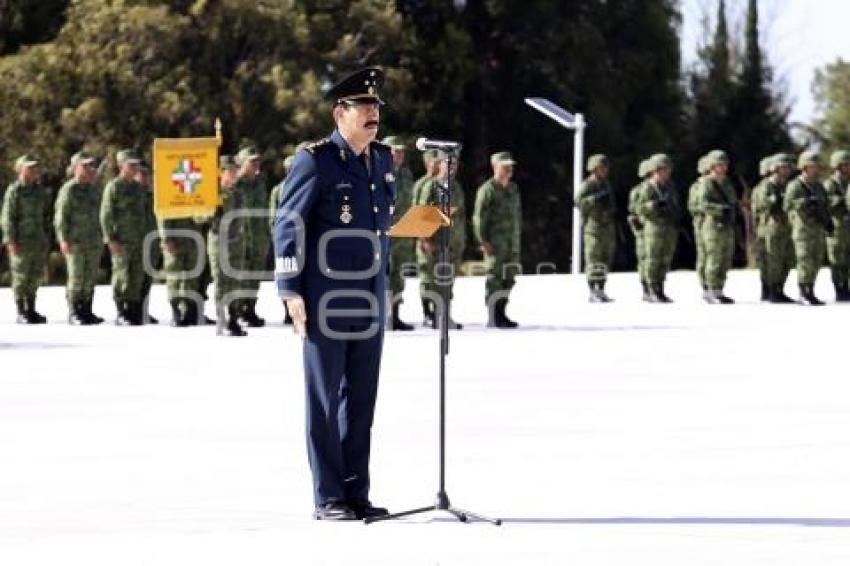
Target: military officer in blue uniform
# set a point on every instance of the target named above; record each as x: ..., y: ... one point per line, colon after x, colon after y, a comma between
x: 331, y: 265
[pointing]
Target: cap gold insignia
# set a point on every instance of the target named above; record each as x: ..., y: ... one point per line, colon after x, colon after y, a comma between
x: 371, y: 90
x: 346, y: 216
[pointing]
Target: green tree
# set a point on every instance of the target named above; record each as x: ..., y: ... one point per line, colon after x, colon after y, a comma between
x: 831, y: 89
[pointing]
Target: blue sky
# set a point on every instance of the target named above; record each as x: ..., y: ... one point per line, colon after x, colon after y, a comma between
x: 798, y: 35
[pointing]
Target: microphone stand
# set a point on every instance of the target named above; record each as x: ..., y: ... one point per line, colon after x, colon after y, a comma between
x: 442, y: 502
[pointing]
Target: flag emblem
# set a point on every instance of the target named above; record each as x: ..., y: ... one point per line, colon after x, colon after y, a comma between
x: 187, y: 176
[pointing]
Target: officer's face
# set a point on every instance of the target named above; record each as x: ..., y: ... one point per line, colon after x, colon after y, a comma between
x: 503, y: 172
x: 358, y: 120
x: 29, y: 174
x: 784, y: 171
x: 720, y: 170
x: 811, y: 171
x: 662, y: 175
x: 398, y: 157
x: 84, y: 172
x: 602, y: 171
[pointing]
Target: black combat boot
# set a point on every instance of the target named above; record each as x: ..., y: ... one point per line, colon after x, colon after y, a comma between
x: 123, y: 308
x: 177, y: 315
x: 93, y: 318
x: 716, y: 297
x: 597, y: 292
x: 21, y: 305
x: 842, y: 295
x: 248, y: 314
x: 228, y: 325
x: 33, y: 316
x: 396, y: 323
x: 502, y: 320
x: 656, y: 293
x: 428, y: 314
x: 147, y: 318
x: 191, y: 316
x: 778, y: 296
x: 765, y: 291
x: 807, y: 296
x: 77, y: 314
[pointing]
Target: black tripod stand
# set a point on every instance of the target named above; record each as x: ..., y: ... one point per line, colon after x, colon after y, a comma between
x: 442, y: 502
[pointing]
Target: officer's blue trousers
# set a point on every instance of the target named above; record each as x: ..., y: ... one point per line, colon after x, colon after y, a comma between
x: 342, y: 383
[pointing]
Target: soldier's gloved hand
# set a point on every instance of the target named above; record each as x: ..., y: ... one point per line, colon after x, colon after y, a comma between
x: 65, y: 247
x: 13, y: 248
x: 298, y: 313
x: 486, y: 248
x: 115, y: 247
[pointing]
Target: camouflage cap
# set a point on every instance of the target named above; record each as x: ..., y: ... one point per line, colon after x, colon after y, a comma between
x: 808, y: 158
x: 502, y: 158
x: 395, y: 142
x: 839, y: 157
x: 780, y: 159
x: 26, y: 160
x: 247, y: 154
x: 702, y: 165
x: 82, y: 158
x: 127, y: 156
x: 226, y: 162
x: 595, y: 161
x: 643, y: 168
x: 658, y: 161
x: 715, y: 157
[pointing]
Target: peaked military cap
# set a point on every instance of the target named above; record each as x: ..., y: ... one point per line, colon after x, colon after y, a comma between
x: 361, y: 85
x: 127, y: 156
x: 503, y: 158
x: 226, y: 162
x: 82, y: 157
x: 595, y: 161
x: 394, y: 142
x: 839, y: 157
x: 25, y: 161
x: 808, y: 158
x: 658, y: 161
x: 247, y: 154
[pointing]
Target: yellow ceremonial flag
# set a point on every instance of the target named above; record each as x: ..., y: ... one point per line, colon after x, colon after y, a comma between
x: 185, y: 173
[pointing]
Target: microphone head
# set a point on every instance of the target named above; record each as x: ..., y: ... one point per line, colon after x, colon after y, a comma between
x: 422, y: 144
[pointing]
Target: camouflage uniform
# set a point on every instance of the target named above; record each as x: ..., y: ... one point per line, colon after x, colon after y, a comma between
x: 255, y: 197
x: 806, y: 206
x: 637, y: 230
x: 498, y: 220
x: 697, y: 216
x: 24, y: 222
x: 774, y: 246
x: 182, y: 255
x: 76, y: 222
x: 658, y: 210
x: 719, y: 204
x: 402, y: 251
x: 227, y: 247
x: 759, y: 251
x: 430, y: 281
x: 838, y: 244
x: 124, y: 203
x: 598, y: 209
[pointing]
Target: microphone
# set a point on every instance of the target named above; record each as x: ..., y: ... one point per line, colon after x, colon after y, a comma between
x: 424, y: 144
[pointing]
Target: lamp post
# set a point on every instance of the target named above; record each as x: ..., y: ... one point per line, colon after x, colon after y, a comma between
x: 576, y: 123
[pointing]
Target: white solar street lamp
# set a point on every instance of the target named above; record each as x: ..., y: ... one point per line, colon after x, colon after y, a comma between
x: 576, y: 123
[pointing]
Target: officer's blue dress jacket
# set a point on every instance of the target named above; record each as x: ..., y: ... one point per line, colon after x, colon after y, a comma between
x: 330, y: 189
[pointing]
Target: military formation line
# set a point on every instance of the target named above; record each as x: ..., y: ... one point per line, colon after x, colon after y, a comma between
x: 799, y: 222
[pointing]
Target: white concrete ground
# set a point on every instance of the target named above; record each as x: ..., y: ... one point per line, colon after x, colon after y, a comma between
x: 603, y: 434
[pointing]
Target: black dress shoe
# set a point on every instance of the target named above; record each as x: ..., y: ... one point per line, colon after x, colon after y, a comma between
x: 334, y: 511
x: 365, y: 510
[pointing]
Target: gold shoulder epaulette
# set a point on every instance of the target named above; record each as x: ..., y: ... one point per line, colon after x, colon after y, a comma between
x: 312, y: 147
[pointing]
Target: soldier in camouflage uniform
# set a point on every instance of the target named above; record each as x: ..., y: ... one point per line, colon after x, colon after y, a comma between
x: 25, y: 236
x: 124, y: 222
x: 227, y: 247
x: 759, y: 248
x: 637, y: 228
x: 806, y: 205
x: 252, y: 185
x: 274, y: 203
x: 773, y: 229
x: 78, y: 232
x: 658, y: 210
x: 402, y: 250
x: 598, y: 209
x: 719, y: 205
x: 697, y: 217
x: 838, y: 245
x: 431, y: 161
x: 497, y: 223
x: 182, y: 262
x: 432, y: 275
x: 143, y: 177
